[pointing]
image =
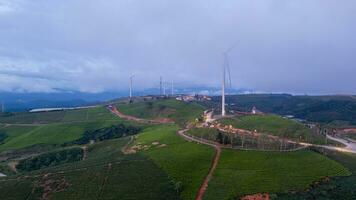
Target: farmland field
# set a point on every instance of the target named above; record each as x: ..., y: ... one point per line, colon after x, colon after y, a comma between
x: 335, y: 188
x: 241, y: 173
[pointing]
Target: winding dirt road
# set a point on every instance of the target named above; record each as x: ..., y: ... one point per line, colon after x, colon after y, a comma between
x: 116, y: 112
x: 181, y: 133
x: 214, y: 163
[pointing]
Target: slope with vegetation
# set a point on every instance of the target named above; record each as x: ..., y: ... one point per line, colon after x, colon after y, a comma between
x: 333, y: 188
x: 178, y: 111
x: 276, y: 125
x: 65, y: 127
x: 126, y: 160
x: 241, y: 173
x: 186, y: 163
x: 338, y: 110
x: 105, y: 174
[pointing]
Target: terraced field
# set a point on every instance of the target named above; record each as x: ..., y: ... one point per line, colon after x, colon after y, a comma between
x: 241, y: 173
x: 334, y: 188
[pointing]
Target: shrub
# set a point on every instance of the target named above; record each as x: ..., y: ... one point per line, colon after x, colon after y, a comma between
x: 115, y: 131
x: 50, y: 159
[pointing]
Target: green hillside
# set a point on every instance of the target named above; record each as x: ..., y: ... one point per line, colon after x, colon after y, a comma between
x: 79, y: 115
x: 241, y: 173
x: 178, y: 111
x: 324, y: 109
x: 275, y: 125
x: 106, y: 174
x: 186, y: 163
x: 330, y: 189
x: 70, y: 126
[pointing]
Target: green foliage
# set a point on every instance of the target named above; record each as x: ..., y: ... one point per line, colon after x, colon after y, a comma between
x: 205, y: 133
x: 3, y: 136
x: 241, y: 173
x: 273, y: 124
x: 50, y: 159
x: 114, y: 131
x: 183, y: 161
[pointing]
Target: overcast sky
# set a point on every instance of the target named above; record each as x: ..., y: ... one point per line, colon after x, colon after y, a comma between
x: 304, y: 46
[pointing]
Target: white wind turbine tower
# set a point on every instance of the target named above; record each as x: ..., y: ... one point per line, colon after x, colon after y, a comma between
x: 172, y: 88
x: 131, y: 77
x: 225, y: 67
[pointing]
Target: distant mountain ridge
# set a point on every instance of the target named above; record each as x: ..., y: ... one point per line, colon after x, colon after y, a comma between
x: 25, y: 101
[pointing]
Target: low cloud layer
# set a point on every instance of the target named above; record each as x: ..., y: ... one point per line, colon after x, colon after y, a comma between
x: 282, y: 46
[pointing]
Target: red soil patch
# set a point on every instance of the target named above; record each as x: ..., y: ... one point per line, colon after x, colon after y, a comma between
x: 256, y: 197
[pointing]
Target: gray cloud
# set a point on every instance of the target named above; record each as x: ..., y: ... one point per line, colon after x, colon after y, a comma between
x: 284, y: 46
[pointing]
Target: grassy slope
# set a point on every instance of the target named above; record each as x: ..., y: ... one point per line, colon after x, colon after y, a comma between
x: 183, y: 161
x: 59, y: 132
x: 106, y: 174
x: 80, y: 115
x: 336, y: 188
x: 179, y: 111
x: 247, y: 172
x: 273, y: 124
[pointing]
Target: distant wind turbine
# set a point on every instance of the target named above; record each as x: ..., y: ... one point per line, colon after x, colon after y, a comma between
x: 131, y: 77
x: 172, y: 88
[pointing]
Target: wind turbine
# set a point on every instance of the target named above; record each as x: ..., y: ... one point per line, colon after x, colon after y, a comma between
x: 225, y: 67
x: 160, y: 86
x: 131, y: 77
x: 172, y: 88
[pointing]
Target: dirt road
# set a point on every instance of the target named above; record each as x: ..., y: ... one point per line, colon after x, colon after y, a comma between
x: 115, y: 111
x: 214, y: 163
